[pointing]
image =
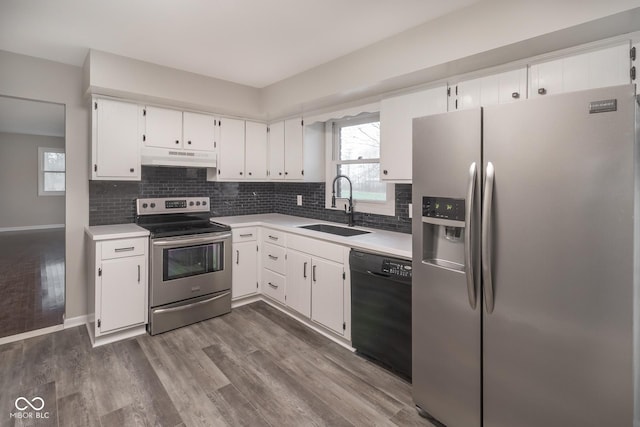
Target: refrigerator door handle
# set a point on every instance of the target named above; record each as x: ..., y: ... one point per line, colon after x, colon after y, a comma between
x: 487, y: 212
x: 468, y: 241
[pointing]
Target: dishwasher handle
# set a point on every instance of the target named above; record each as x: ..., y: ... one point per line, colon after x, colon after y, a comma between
x: 375, y: 273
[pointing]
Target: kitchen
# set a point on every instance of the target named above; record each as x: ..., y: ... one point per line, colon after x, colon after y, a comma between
x: 355, y: 91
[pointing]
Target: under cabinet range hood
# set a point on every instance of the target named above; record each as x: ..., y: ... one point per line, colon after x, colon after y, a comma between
x: 157, y: 156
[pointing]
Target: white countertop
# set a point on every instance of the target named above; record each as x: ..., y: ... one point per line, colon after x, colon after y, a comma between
x: 379, y: 241
x: 117, y: 231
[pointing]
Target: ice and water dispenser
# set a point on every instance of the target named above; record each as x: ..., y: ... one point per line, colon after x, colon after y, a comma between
x: 443, y: 232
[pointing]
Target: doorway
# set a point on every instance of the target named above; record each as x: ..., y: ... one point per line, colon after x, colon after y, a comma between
x: 32, y: 215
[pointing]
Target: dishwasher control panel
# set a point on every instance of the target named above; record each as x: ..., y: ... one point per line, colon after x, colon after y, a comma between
x: 396, y: 268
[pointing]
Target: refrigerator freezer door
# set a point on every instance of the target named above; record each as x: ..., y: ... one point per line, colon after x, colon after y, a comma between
x: 446, y: 329
x: 558, y: 347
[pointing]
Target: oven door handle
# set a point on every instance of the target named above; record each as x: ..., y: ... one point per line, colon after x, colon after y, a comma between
x: 195, y: 304
x: 209, y: 239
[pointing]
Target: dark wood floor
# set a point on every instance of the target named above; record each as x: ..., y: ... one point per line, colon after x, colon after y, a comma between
x: 31, y: 280
x: 253, y: 367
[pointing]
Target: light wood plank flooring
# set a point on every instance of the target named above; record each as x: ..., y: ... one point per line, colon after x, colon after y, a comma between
x: 253, y: 367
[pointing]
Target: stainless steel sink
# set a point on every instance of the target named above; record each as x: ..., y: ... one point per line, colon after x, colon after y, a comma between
x: 333, y: 229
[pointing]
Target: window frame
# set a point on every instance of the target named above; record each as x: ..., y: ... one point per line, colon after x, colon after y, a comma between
x: 332, y: 135
x: 41, y: 171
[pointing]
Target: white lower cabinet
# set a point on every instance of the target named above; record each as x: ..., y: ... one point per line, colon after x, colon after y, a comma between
x: 298, y: 292
x: 273, y: 285
x: 245, y: 269
x: 327, y: 294
x: 118, y: 287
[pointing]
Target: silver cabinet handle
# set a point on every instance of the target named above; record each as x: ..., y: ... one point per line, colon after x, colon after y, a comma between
x: 138, y: 273
x: 304, y: 270
x: 273, y: 237
x: 273, y: 257
x: 185, y: 307
x: 313, y: 273
x: 273, y: 286
x: 124, y: 249
x: 237, y: 256
x: 469, y: 260
x: 487, y: 211
x: 246, y: 235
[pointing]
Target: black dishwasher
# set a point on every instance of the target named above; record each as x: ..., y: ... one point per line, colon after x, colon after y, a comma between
x: 381, y: 310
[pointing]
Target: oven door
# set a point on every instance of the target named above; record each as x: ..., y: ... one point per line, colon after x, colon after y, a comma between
x: 189, y: 266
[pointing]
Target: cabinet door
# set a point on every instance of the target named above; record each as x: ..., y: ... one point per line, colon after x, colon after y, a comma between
x: 198, y: 131
x: 396, y: 124
x: 276, y: 150
x: 245, y: 269
x: 123, y: 296
x: 298, y: 292
x: 163, y: 127
x: 116, y: 140
x: 231, y: 149
x: 293, y: 160
x: 256, y: 150
x: 327, y: 297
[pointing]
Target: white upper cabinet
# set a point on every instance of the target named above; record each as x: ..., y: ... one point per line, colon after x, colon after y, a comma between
x: 231, y: 150
x: 293, y: 149
x: 276, y: 150
x: 163, y: 128
x: 256, y: 151
x: 396, y: 124
x: 115, y: 142
x: 198, y: 131
x: 599, y: 68
x: 495, y: 89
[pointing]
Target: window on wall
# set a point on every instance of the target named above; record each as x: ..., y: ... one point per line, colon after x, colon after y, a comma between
x: 51, y: 171
x: 356, y: 154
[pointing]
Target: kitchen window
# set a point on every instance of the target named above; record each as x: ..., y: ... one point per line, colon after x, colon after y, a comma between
x: 51, y: 171
x: 355, y: 153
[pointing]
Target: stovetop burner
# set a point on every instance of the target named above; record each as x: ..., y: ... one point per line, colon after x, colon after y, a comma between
x: 171, y: 217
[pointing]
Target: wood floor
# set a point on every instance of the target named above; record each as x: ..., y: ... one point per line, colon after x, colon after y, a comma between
x: 31, y: 280
x: 253, y: 367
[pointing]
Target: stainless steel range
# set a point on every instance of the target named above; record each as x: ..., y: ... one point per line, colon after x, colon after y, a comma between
x: 190, y: 262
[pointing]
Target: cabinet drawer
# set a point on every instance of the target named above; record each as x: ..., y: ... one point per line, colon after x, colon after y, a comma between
x: 244, y: 234
x: 317, y: 248
x: 124, y: 248
x: 273, y: 236
x: 273, y: 285
x: 273, y: 258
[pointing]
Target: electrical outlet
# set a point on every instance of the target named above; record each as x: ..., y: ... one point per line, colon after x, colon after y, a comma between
x: 410, y: 210
x: 299, y: 199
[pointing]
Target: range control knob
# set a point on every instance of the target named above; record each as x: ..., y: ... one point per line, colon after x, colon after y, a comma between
x: 197, y: 203
x: 145, y: 206
x: 190, y: 203
x: 153, y: 205
x: 204, y: 203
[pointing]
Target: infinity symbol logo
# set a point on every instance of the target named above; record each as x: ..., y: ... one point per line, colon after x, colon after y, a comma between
x: 32, y: 404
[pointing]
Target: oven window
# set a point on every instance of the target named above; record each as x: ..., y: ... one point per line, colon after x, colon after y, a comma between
x: 192, y: 260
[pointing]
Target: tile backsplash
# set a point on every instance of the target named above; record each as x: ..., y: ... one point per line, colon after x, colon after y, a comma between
x: 113, y: 202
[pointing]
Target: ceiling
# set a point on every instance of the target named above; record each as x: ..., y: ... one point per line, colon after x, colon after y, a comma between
x: 31, y: 117
x: 252, y: 42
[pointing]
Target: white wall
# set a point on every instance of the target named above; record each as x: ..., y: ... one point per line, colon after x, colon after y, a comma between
x: 33, y: 78
x: 483, y: 27
x: 19, y: 182
x: 109, y: 74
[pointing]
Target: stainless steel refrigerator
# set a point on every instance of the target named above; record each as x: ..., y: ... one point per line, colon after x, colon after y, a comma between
x: 525, y: 263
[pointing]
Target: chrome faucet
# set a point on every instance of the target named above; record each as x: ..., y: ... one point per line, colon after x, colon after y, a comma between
x: 349, y: 212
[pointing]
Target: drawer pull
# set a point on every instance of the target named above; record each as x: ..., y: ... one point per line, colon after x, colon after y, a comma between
x: 275, y: 258
x: 246, y: 235
x: 273, y: 237
x: 273, y: 286
x: 124, y: 249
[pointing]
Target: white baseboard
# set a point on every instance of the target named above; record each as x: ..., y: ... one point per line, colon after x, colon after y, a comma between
x: 31, y: 334
x: 72, y: 322
x: 117, y: 336
x: 245, y: 300
x: 31, y: 227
